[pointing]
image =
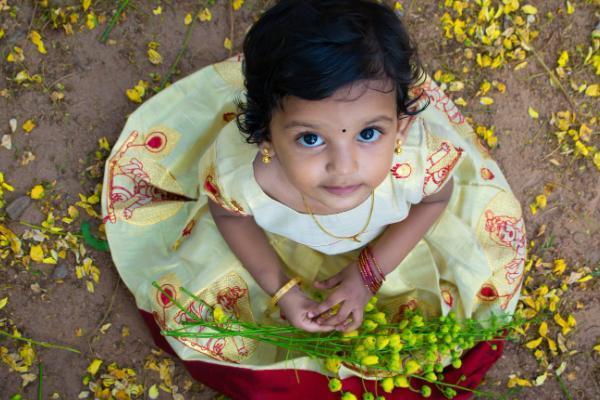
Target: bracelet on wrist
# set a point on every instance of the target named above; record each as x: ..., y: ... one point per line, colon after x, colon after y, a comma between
x: 370, y: 272
x: 283, y: 290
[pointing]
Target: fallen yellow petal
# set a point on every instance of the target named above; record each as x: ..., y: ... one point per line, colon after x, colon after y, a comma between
x: 94, y: 366
x: 237, y: 4
x: 543, y: 329
x: 593, y: 90
x: 37, y: 192
x: 205, y: 15
x: 154, y: 57
x: 534, y: 343
x: 529, y: 9
x: 228, y: 44
x: 188, y: 19
x: 86, y: 4
x: 3, y: 302
x: 36, y: 39
x: 153, y: 392
x: 486, y: 101
x: 36, y: 253
x: 533, y: 113
x: 28, y: 125
x: 157, y: 10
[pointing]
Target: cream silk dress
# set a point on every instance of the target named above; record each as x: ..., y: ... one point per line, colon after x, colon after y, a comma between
x: 183, y: 146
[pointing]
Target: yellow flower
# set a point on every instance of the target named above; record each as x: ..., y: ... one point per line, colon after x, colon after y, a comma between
x: 219, y: 315
x: 237, y: 4
x: 188, y: 19
x: 154, y: 57
x: 401, y: 381
x: 369, y: 325
x: 335, y: 385
x: 369, y: 360
x: 28, y: 125
x: 37, y: 192
x: 516, y: 381
x: 205, y: 15
x: 533, y: 113
x: 94, y: 366
x: 333, y: 365
x: 563, y: 59
x: 529, y: 9
x: 382, y: 342
x: 348, y: 396
x: 157, y: 10
x: 412, y: 367
x: 36, y: 39
x: 387, y: 384
x: 486, y: 101
x: 228, y: 44
x: 91, y: 21
x: 559, y: 266
x: 36, y: 253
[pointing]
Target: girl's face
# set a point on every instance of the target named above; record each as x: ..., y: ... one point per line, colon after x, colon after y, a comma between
x: 335, y: 151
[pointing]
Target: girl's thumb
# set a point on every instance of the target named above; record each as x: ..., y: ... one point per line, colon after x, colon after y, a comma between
x: 327, y: 283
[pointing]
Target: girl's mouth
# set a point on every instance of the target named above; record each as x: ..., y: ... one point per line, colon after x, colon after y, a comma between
x: 342, y: 190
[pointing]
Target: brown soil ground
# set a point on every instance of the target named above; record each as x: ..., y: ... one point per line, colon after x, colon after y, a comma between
x: 95, y: 76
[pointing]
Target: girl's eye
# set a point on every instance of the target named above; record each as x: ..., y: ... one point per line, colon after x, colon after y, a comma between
x: 369, y: 135
x: 310, y: 140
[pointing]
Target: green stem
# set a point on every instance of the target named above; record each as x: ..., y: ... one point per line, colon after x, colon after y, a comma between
x: 564, y: 388
x: 113, y: 21
x: 42, y: 344
x: 40, y: 377
x: 184, y: 45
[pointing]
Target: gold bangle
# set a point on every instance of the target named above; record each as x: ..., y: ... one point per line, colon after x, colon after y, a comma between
x: 284, y: 289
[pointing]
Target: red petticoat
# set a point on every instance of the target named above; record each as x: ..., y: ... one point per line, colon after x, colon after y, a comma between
x: 247, y: 384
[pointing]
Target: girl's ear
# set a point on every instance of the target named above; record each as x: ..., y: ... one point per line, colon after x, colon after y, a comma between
x: 404, y: 124
x: 265, y: 147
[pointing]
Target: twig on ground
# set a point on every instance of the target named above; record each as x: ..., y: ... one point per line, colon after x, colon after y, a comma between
x: 113, y: 21
x: 105, y: 316
x: 35, y: 5
x: 184, y: 45
x: 42, y: 344
x: 564, y: 388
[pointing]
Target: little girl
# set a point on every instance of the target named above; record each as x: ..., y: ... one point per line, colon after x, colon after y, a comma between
x: 323, y: 161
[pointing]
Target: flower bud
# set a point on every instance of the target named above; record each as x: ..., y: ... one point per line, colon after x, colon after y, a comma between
x: 335, y: 385
x: 369, y: 360
x: 425, y: 391
x: 348, y: 396
x: 387, y: 384
x: 333, y: 365
x: 401, y: 381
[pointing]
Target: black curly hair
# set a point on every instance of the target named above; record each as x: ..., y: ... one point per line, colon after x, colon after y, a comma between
x: 311, y: 48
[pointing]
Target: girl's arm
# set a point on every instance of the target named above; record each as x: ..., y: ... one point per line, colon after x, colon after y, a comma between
x: 251, y: 246
x: 389, y: 251
x: 400, y: 238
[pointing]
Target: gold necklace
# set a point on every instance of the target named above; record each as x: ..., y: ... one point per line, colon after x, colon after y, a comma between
x: 353, y: 237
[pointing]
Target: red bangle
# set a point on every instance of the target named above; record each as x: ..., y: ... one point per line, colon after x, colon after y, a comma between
x: 372, y: 277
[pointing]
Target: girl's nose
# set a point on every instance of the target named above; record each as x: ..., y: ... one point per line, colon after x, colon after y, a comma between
x: 342, y: 161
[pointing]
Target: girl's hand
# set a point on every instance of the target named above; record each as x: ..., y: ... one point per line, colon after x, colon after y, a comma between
x: 295, y: 306
x: 351, y: 294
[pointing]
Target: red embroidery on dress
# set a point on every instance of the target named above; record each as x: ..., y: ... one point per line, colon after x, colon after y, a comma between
x: 507, y: 231
x: 129, y: 183
x: 188, y: 228
x: 437, y: 176
x: 401, y: 170
x: 447, y: 297
x: 410, y: 305
x: 442, y: 102
x: 229, y: 297
x: 487, y: 174
x: 488, y: 293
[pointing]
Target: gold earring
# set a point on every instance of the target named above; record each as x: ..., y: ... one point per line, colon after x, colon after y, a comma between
x: 266, y: 158
x: 398, y: 149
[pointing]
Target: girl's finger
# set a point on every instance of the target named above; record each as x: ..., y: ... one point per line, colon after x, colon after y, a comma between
x: 342, y: 315
x: 324, y: 306
x: 328, y: 283
x: 354, y: 323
